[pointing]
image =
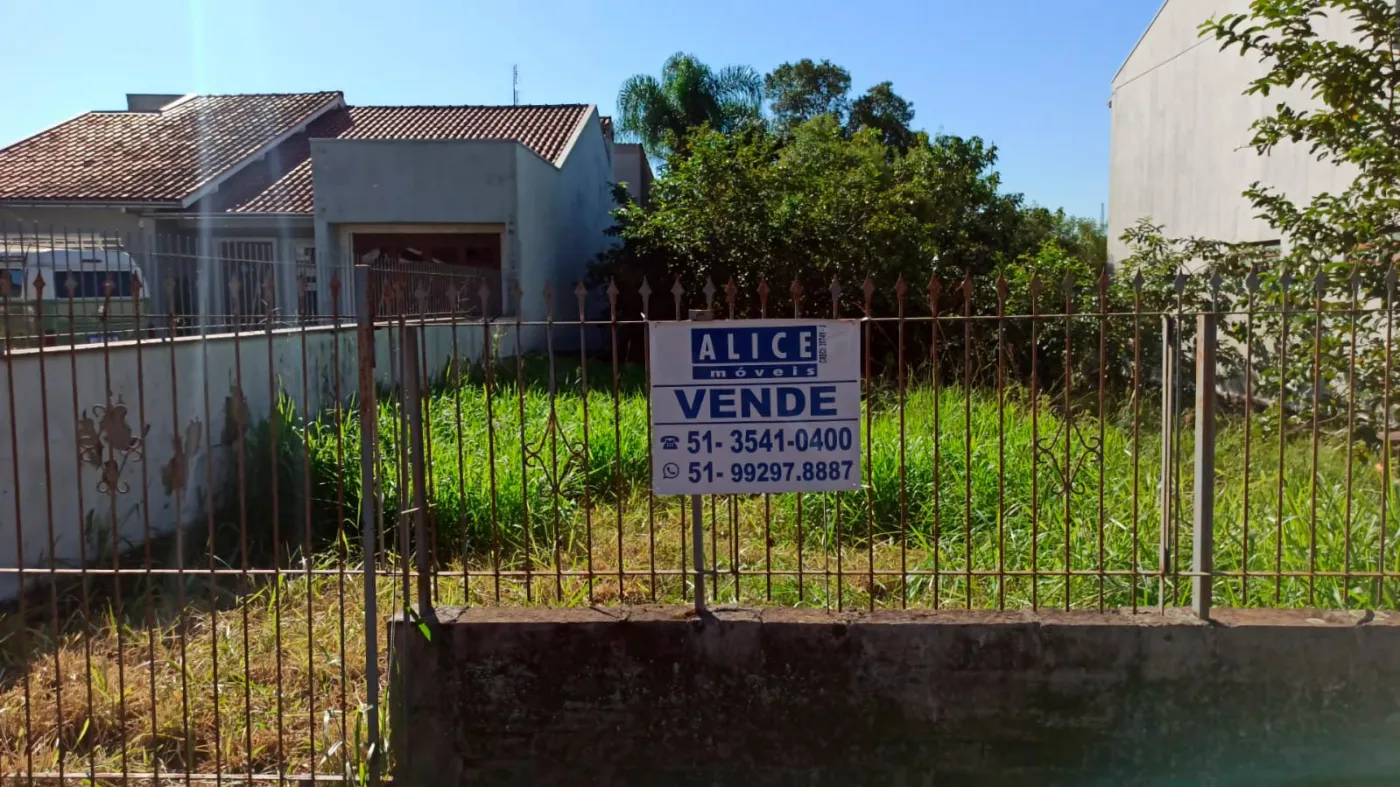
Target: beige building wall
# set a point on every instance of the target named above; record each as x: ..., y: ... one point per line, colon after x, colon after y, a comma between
x: 1180, y: 132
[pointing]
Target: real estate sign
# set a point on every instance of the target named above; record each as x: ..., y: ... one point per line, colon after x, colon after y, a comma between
x: 755, y: 406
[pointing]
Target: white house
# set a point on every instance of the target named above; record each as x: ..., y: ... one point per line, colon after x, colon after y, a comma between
x: 520, y: 194
x: 1181, y: 128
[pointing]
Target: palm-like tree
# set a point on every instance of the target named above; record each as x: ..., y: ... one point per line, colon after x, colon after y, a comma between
x: 689, y: 94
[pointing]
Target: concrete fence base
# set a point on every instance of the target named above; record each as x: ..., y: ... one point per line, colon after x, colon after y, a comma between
x: 655, y: 696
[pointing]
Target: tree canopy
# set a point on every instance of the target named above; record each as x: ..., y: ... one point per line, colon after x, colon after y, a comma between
x: 834, y: 190
x: 661, y: 112
x: 887, y: 112
x: 818, y: 203
x: 798, y: 92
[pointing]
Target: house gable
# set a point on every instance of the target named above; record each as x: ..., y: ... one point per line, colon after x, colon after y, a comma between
x: 1174, y: 31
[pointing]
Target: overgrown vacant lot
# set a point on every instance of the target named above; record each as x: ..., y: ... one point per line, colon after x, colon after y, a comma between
x: 960, y: 493
x: 993, y: 497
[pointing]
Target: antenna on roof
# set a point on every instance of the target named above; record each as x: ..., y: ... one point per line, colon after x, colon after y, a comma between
x: 515, y: 85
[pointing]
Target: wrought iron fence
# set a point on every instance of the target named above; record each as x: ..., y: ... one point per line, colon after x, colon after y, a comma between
x: 215, y: 507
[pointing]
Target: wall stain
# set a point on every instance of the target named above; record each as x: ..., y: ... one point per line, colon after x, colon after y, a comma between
x: 175, y: 475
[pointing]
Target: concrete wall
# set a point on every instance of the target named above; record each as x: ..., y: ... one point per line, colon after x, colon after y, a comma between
x: 1180, y: 132
x: 167, y: 380
x: 789, y: 697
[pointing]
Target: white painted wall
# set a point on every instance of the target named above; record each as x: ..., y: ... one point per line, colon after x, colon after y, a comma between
x: 582, y: 207
x: 1180, y: 130
x: 140, y: 376
x: 630, y: 166
x: 536, y: 241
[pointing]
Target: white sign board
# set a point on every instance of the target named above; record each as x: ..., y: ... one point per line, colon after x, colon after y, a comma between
x: 755, y: 406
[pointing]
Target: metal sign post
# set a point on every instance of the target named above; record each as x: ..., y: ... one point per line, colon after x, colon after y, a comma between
x: 697, y: 510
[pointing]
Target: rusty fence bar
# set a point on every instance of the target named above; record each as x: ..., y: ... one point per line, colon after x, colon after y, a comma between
x: 1203, y: 495
x: 1169, y: 371
x: 198, y: 565
x: 369, y: 488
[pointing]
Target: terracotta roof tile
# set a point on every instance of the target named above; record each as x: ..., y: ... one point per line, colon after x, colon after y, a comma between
x: 286, y: 183
x: 545, y: 129
x: 150, y: 156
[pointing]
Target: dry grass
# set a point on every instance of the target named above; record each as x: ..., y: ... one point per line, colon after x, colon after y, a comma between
x: 321, y: 695
x: 121, y: 695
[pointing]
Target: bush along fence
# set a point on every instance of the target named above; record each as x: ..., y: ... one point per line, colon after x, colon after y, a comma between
x: 212, y: 512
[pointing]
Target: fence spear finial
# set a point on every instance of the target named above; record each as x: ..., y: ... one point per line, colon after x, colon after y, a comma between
x: 677, y: 291
x: 581, y: 294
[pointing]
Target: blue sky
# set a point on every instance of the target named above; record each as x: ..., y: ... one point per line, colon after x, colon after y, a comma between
x: 1032, y: 76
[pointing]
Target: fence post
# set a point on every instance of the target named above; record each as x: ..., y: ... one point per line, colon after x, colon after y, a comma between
x: 1169, y: 430
x: 1203, y: 544
x: 413, y: 407
x: 368, y: 415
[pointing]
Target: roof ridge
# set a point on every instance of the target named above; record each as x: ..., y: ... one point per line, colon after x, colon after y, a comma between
x: 467, y: 106
x: 267, y: 95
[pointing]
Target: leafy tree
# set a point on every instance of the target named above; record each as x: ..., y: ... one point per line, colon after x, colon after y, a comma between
x: 811, y: 199
x: 798, y: 92
x: 1077, y: 236
x: 887, y: 112
x: 818, y: 205
x: 689, y: 94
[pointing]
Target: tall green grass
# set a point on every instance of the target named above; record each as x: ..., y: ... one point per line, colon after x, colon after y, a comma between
x: 955, y: 482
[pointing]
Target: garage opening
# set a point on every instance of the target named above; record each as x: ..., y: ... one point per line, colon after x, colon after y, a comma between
x: 447, y: 270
